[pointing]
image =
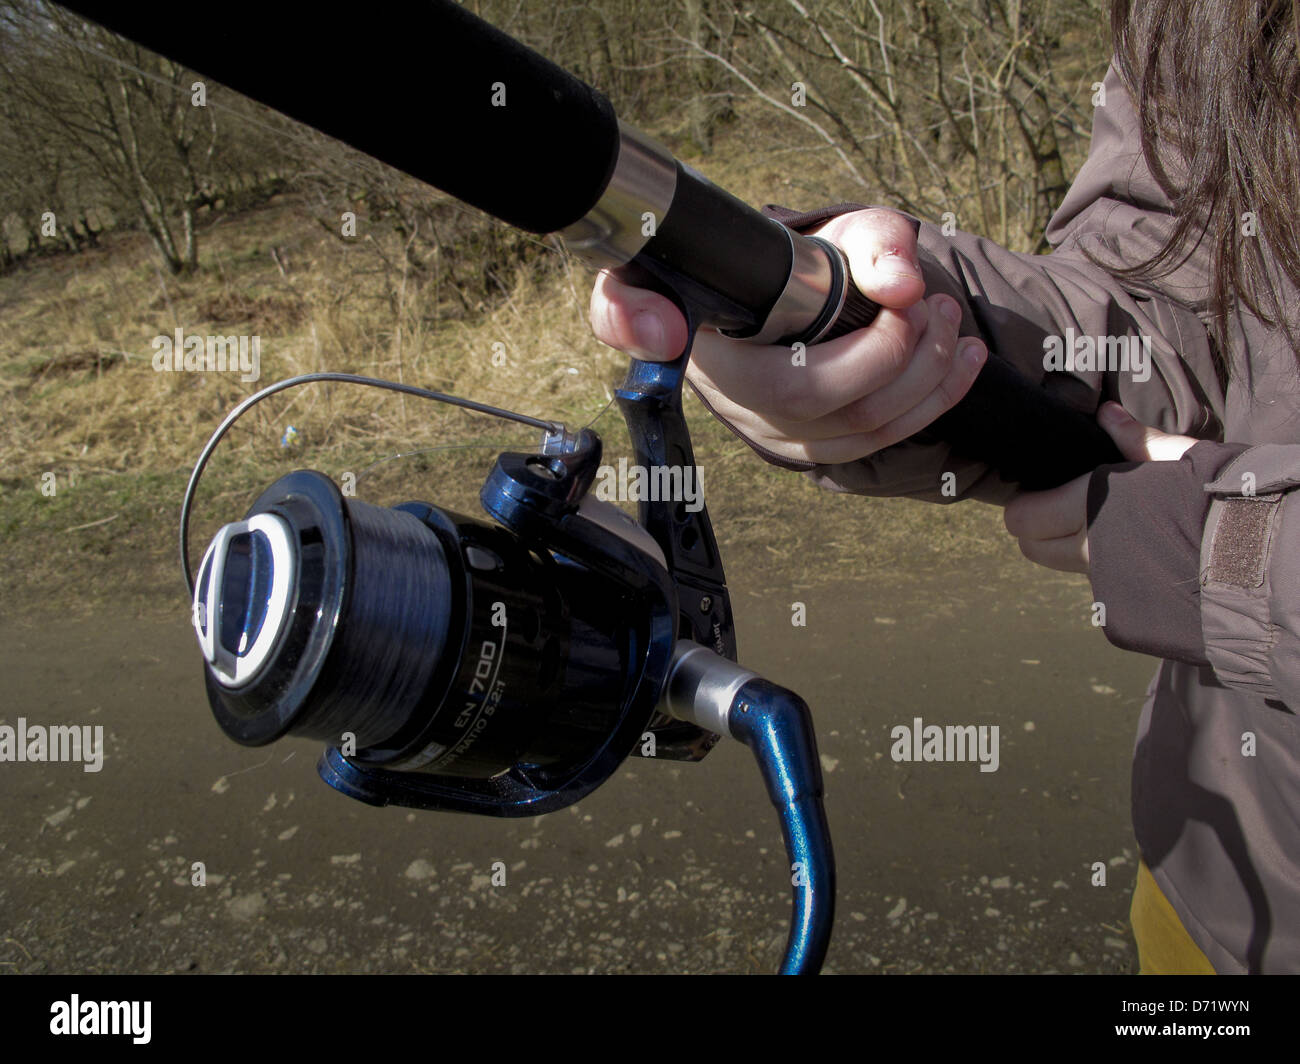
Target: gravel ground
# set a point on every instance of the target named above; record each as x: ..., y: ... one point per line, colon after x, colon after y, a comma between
x: 667, y: 868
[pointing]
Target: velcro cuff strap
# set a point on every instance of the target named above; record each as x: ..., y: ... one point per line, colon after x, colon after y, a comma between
x: 1237, y: 592
x: 1238, y: 553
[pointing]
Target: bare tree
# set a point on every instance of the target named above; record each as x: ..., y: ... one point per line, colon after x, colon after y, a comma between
x: 968, y: 107
x: 92, y: 101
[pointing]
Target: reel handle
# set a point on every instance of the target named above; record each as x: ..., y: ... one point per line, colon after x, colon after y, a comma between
x: 775, y: 723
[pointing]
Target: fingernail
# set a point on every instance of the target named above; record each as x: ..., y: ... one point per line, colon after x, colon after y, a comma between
x: 899, y: 267
x: 973, y: 352
x: 949, y: 309
x: 649, y: 332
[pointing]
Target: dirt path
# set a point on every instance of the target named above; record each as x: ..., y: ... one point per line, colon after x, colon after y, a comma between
x: 942, y: 867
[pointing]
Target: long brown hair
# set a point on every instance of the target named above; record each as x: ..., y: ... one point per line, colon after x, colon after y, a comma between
x: 1217, y: 83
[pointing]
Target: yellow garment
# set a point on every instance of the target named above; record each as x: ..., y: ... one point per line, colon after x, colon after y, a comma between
x: 1164, y: 946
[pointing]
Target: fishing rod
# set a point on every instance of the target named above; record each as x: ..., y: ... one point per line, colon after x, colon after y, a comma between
x: 507, y: 667
x: 431, y: 89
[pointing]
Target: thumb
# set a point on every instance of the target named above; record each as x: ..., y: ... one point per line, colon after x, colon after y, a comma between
x: 1138, y: 442
x: 880, y: 246
x: 635, y: 320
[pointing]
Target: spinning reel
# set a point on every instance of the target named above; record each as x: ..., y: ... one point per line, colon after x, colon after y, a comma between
x: 505, y: 668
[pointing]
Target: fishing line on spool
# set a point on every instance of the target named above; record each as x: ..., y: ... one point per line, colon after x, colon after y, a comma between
x: 392, y: 634
x: 551, y: 427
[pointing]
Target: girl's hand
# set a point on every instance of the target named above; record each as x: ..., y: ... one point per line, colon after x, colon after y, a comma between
x: 853, y: 395
x: 1052, y: 526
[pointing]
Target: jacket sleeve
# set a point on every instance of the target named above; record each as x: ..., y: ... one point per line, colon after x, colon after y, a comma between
x: 1195, y: 560
x: 1021, y: 304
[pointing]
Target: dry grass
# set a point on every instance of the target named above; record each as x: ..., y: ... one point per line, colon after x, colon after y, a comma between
x: 79, y: 398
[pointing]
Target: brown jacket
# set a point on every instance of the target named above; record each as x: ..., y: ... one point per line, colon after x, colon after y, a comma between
x: 1191, y: 566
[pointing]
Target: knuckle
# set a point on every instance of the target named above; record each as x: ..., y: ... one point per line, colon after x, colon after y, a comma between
x: 793, y: 396
x: 863, y: 416
x: 888, y: 223
x: 892, y: 349
x: 885, y: 436
x: 952, y: 389
x: 956, y: 382
x: 874, y: 233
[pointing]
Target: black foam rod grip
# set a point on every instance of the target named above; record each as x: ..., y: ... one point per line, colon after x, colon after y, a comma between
x: 1007, y: 420
x: 1023, y: 431
x: 422, y: 85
